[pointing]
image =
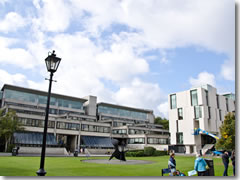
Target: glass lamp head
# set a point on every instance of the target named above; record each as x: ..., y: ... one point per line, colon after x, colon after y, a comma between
x: 52, y: 62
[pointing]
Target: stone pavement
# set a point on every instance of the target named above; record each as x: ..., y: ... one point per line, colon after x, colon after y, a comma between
x: 52, y: 155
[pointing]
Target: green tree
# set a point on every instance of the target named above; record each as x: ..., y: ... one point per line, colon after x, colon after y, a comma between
x: 164, y: 122
x: 227, y: 130
x: 8, y: 125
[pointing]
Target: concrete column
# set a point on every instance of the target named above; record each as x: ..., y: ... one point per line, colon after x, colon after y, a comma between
x: 145, y: 139
x: 79, y: 141
x: 187, y: 149
x: 76, y: 142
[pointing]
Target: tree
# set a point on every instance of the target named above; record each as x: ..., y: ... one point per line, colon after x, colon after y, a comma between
x: 8, y: 125
x: 227, y: 130
x: 164, y: 122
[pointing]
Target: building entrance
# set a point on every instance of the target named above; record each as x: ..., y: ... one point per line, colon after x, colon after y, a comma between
x: 67, y: 141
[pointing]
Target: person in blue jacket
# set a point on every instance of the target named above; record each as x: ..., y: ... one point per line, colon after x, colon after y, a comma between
x: 200, y: 165
x: 172, y: 164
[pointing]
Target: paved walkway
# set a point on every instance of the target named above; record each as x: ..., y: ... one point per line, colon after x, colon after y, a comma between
x: 52, y: 155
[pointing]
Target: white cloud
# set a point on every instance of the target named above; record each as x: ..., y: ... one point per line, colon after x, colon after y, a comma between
x: 140, y: 94
x: 202, y: 79
x: 120, y: 63
x: 228, y: 70
x: 12, y: 22
x: 54, y: 16
x: 3, y: 1
x: 16, y: 56
x: 168, y: 24
x: 15, y: 79
x: 163, y: 109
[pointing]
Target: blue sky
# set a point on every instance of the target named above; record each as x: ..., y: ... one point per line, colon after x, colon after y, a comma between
x: 129, y: 52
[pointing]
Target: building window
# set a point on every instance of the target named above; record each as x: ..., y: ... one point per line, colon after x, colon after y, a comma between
x: 84, y: 127
x: 173, y: 99
x: 197, y: 112
x: 217, y: 101
x: 157, y: 141
x: 106, y: 129
x: 206, y: 97
x: 209, y: 112
x: 180, y: 113
x: 194, y: 98
x: 220, y: 115
x: 227, y: 104
x: 177, y: 125
x: 136, y: 140
x: 179, y: 138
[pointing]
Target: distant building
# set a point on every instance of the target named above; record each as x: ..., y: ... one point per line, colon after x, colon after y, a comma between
x: 197, y: 108
x: 80, y: 122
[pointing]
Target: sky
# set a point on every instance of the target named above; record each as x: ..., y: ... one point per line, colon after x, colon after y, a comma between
x: 127, y: 52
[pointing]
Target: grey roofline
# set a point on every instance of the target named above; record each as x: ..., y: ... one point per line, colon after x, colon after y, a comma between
x: 44, y: 93
x: 125, y: 107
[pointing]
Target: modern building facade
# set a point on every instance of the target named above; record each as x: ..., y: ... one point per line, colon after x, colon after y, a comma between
x: 80, y: 122
x: 197, y: 108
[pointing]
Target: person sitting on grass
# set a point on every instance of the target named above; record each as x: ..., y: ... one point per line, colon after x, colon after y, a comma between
x: 178, y: 173
x: 200, y: 165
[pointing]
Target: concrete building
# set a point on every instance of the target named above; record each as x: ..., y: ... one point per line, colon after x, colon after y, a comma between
x: 200, y: 108
x: 80, y: 122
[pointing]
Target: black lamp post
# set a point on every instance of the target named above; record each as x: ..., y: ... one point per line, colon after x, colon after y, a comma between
x: 52, y: 63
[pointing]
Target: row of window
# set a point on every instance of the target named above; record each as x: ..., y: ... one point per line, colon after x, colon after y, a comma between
x: 194, y: 100
x: 119, y: 131
x: 122, y: 112
x: 149, y: 141
x: 136, y: 131
x: 136, y: 141
x: 157, y: 141
x: 51, y: 110
x: 92, y: 128
x: 35, y: 122
x: 34, y: 98
x: 63, y: 125
x: 198, y: 113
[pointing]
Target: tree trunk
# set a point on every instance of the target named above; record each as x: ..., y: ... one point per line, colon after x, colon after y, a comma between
x: 7, y: 140
x: 6, y: 145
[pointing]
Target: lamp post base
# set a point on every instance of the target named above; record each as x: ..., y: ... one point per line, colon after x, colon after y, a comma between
x: 41, y: 172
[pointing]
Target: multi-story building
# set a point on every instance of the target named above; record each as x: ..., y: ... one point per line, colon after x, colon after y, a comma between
x: 80, y: 122
x: 197, y: 108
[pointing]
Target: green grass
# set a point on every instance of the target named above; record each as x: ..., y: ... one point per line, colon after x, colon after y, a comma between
x: 72, y: 166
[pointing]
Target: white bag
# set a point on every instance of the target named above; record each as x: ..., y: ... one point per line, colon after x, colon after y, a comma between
x: 191, y: 173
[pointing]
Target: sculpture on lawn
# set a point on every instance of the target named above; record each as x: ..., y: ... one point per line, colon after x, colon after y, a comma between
x: 119, y: 152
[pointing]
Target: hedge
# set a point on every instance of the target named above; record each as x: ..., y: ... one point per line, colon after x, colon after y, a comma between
x: 141, y: 153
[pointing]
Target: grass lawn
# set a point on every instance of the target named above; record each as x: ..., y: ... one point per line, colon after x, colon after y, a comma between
x: 72, y: 166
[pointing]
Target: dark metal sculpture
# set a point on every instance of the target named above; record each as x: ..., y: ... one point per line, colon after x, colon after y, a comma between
x: 119, y: 152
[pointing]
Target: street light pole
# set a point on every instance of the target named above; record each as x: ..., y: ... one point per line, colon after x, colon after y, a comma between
x: 41, y: 171
x: 52, y: 63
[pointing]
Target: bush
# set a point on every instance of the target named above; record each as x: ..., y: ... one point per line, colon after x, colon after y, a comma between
x: 160, y: 153
x: 135, y: 153
x: 149, y: 151
x: 139, y: 154
x: 10, y: 147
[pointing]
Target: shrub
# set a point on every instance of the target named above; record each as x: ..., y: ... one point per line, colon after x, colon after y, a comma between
x: 10, y: 147
x: 160, y: 153
x: 149, y: 151
x: 135, y: 153
x: 139, y: 154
